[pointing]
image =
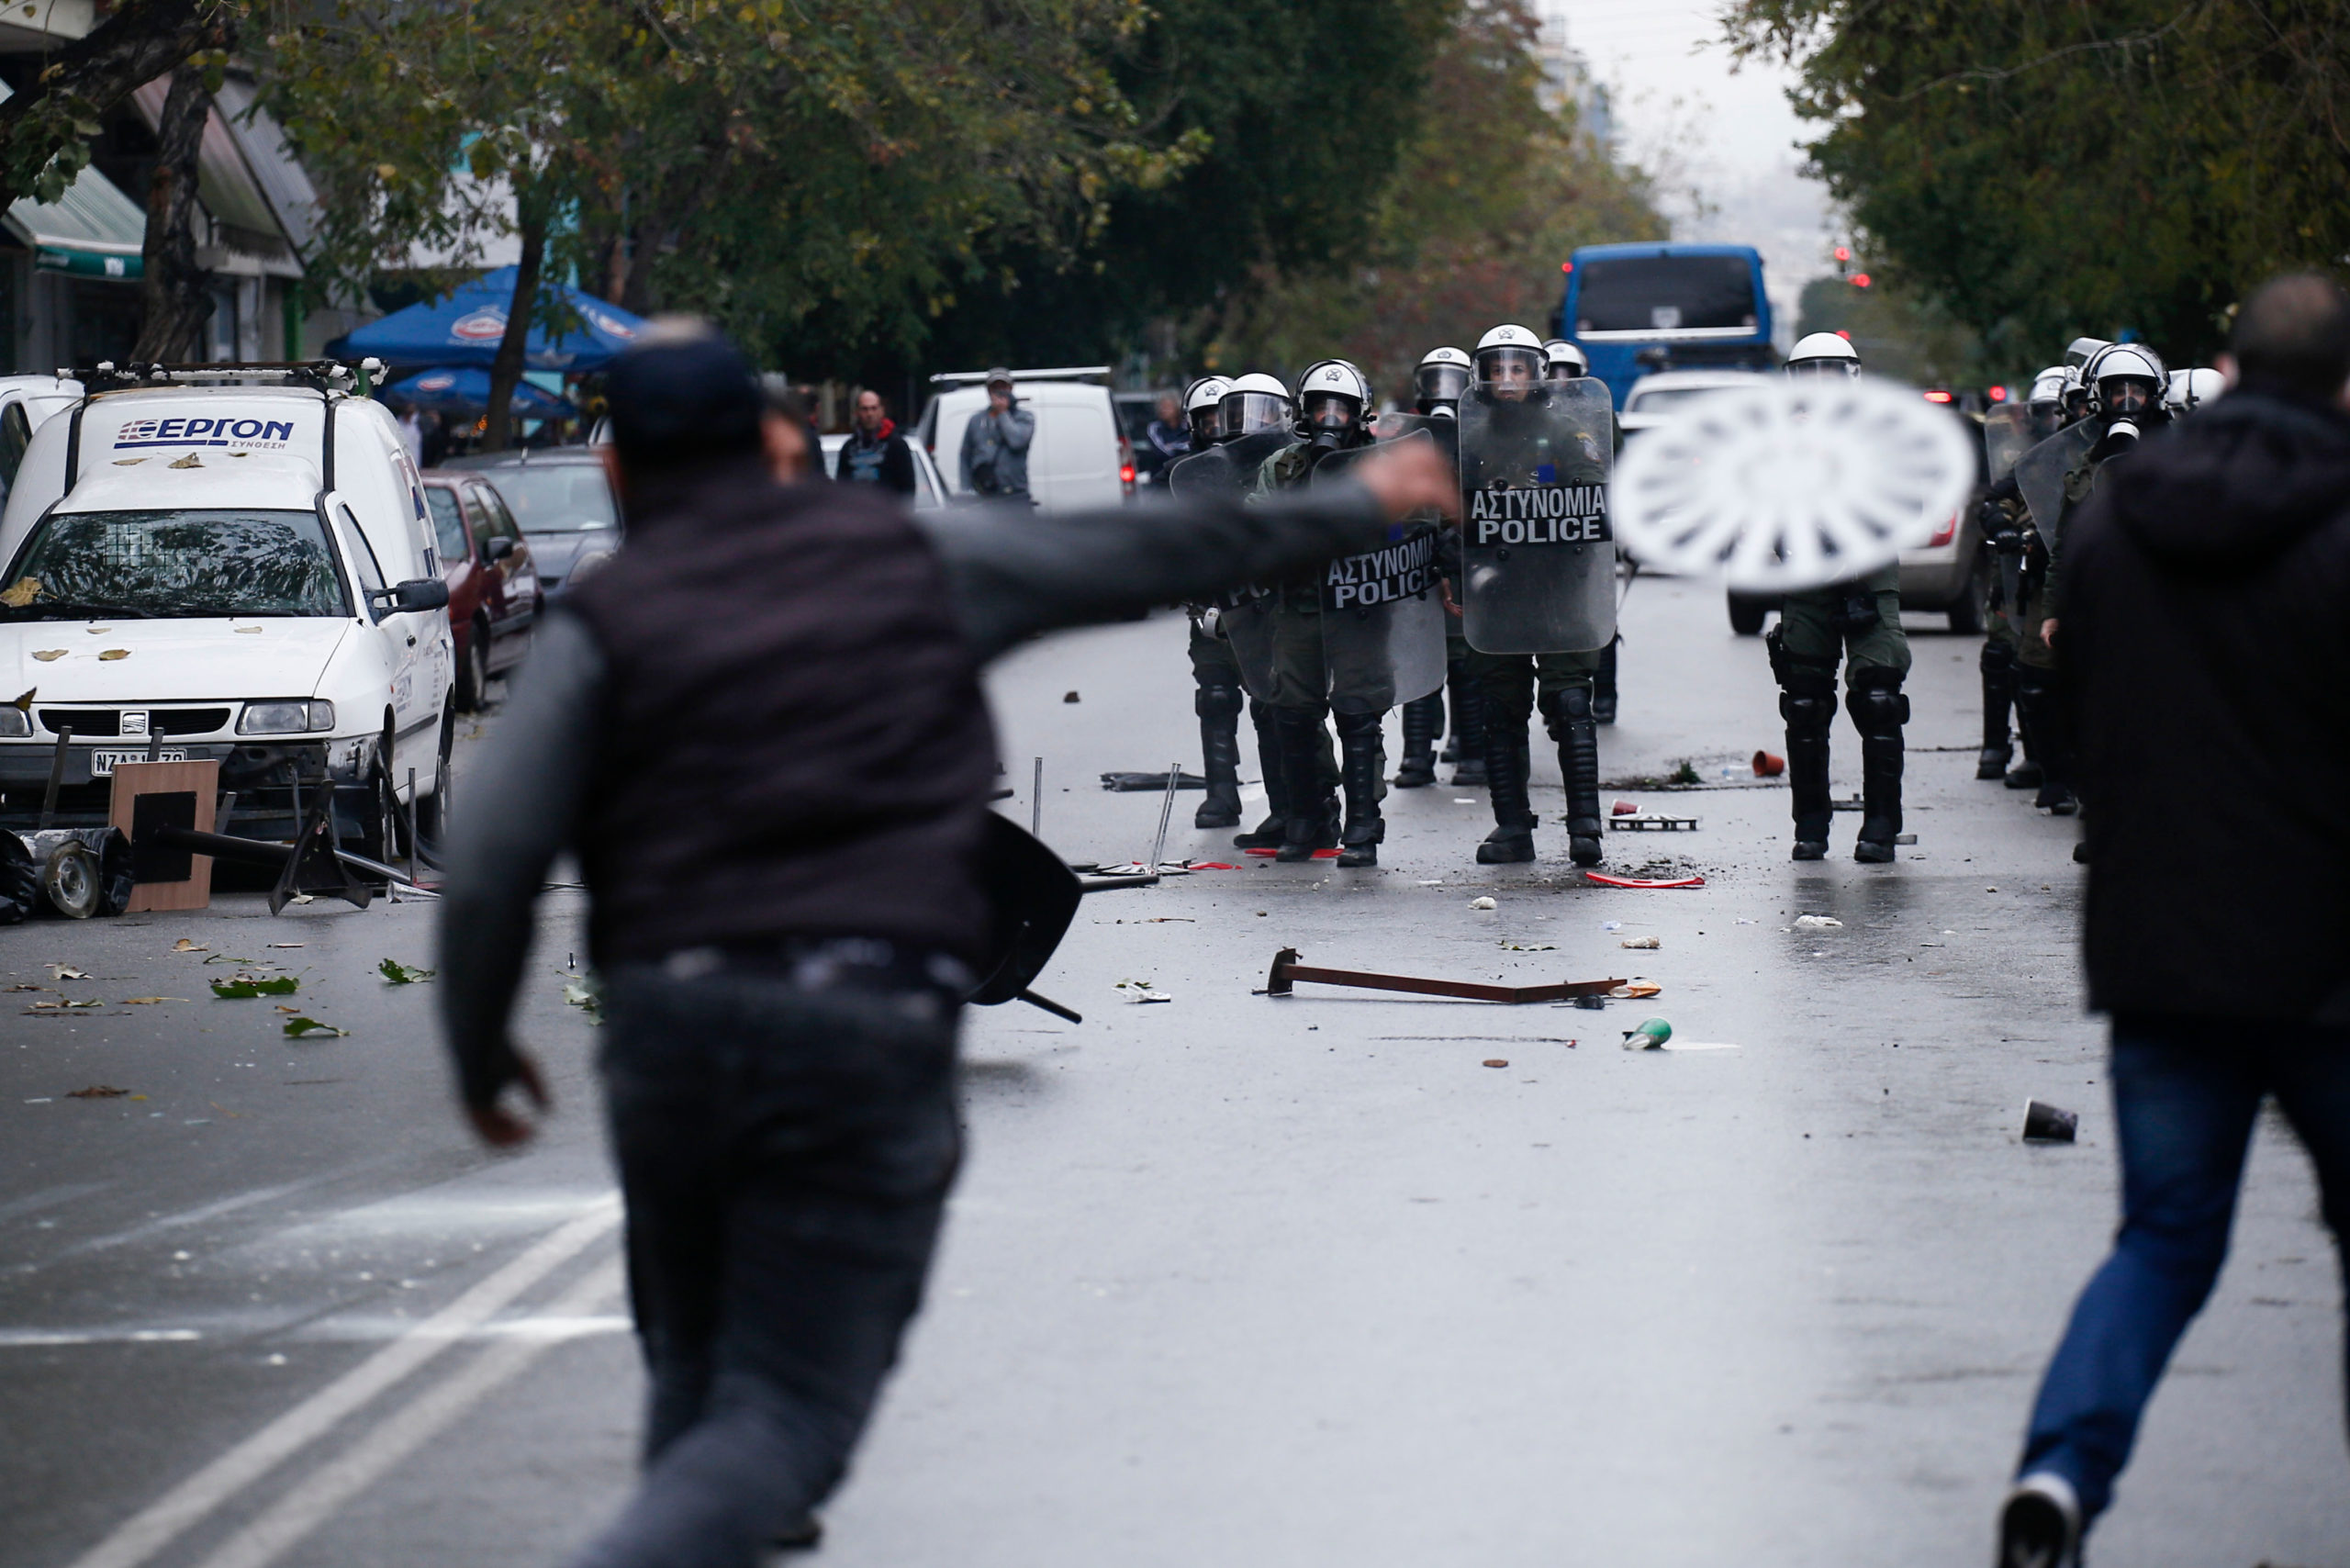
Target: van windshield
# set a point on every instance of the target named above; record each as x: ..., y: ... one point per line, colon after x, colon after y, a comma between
x: 174, y: 564
x: 556, y: 498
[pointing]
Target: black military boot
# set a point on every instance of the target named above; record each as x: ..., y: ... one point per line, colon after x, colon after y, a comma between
x: 1310, y: 823
x: 1267, y: 834
x: 1568, y: 715
x: 1469, y: 731
x: 1603, y: 694
x: 2038, y: 698
x: 1423, y: 721
x: 1360, y: 758
x: 1874, y: 699
x: 1999, y: 665
x: 2027, y: 774
x: 1808, y: 711
x: 1508, y: 760
x: 1219, y: 711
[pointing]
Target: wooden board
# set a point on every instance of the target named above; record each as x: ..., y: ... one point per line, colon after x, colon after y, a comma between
x: 202, y: 779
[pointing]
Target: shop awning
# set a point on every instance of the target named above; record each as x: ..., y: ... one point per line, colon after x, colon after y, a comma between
x: 93, y: 231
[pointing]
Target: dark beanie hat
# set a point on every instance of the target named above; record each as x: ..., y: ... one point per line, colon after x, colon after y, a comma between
x: 682, y: 394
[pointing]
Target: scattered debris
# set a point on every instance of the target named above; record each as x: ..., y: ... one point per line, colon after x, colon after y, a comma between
x: 49, y: 656
x: 1623, y: 809
x: 26, y: 985
x: 1482, y: 903
x: 149, y: 1001
x: 1649, y: 943
x: 1650, y: 1036
x: 65, y: 972
x: 1652, y: 823
x: 1269, y: 854
x: 1529, y: 946
x: 1635, y: 990
x: 1699, y: 1046
x: 1286, y: 971
x: 97, y: 1091
x: 1132, y: 783
x: 1496, y: 1061
x: 1212, y: 866
x: 1905, y: 838
x: 109, y: 654
x: 300, y: 1028
x: 2043, y: 1123
x: 289, y: 944
x: 242, y: 987
x: 1593, y: 1003
x: 60, y: 1006
x: 1069, y: 697
x: 185, y: 945
x: 587, y: 995
x: 1601, y: 879
x: 1768, y: 766
x: 1685, y: 773
x: 1819, y: 923
x: 398, y: 973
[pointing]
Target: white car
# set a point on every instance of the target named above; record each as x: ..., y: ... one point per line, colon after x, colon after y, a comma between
x: 239, y: 572
x: 1078, y: 459
x: 1656, y: 399
x: 930, y: 490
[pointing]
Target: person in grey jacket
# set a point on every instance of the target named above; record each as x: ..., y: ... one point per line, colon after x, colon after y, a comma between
x: 995, y: 443
x: 766, y: 740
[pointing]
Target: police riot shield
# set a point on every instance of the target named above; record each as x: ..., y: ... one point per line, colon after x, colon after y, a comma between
x: 2007, y: 435
x: 1203, y: 475
x: 1442, y: 429
x: 1383, y: 617
x: 1537, y: 552
x: 2040, y: 476
x: 1245, y: 617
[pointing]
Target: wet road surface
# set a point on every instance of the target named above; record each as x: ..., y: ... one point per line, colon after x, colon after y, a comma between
x: 1228, y: 1279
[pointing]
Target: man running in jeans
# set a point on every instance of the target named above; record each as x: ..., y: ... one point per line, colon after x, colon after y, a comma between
x: 2206, y: 638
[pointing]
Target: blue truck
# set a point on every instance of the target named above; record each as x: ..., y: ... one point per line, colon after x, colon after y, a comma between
x: 1639, y: 308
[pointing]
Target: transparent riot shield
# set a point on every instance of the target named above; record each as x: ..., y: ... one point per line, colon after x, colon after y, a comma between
x: 1383, y: 616
x: 2007, y: 435
x: 2040, y: 474
x: 1538, y: 552
x: 1203, y: 475
x: 1442, y: 429
x: 1226, y: 473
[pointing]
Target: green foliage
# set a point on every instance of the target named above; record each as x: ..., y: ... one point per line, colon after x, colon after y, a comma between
x: 1897, y: 332
x: 2044, y: 168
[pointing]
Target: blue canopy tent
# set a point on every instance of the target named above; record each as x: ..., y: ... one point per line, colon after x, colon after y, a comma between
x: 464, y: 389
x: 464, y: 329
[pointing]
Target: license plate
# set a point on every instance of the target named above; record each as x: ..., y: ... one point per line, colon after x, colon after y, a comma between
x: 102, y: 763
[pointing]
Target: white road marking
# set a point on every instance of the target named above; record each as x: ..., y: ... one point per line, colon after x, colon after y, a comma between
x: 19, y: 1338
x: 325, y: 1489
x: 162, y: 1521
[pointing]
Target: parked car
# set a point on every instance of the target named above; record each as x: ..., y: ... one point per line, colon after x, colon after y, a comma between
x: 238, y: 572
x: 930, y: 490
x: 1078, y: 459
x: 565, y: 503
x: 494, y: 593
x: 1656, y: 399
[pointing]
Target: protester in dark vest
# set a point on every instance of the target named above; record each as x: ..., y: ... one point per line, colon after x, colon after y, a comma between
x: 875, y: 454
x: 767, y: 743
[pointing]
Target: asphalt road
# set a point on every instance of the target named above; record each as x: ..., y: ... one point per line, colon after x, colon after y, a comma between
x: 1228, y: 1280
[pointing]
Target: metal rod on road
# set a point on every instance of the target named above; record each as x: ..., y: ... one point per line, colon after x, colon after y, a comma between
x: 411, y: 825
x: 56, y: 778
x: 1287, y: 969
x: 1166, y: 809
x: 1037, y: 803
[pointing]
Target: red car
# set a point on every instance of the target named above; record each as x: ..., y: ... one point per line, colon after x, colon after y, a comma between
x: 494, y: 593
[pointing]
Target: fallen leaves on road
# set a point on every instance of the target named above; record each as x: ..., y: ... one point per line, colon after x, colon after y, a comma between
x: 26, y: 985
x: 586, y: 995
x: 185, y: 945
x: 49, y: 655
x: 1529, y: 946
x: 243, y: 987
x: 398, y: 973
x: 1643, y: 943
x: 1496, y: 1061
x: 301, y: 1028
x: 97, y: 1091
x: 39, y: 1007
x: 149, y: 1001
x: 109, y: 654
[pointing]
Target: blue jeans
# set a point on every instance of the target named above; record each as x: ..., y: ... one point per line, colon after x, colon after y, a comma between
x: 2185, y: 1095
x: 785, y: 1152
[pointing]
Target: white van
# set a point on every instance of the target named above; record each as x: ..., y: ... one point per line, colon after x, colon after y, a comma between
x: 1079, y: 458
x: 25, y: 403
x: 243, y: 571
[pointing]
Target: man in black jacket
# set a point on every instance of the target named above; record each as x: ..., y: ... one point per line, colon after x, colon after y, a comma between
x: 2206, y: 642
x: 768, y: 744
x: 875, y: 454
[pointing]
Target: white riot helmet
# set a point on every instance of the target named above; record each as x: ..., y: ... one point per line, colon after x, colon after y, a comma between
x: 1511, y: 355
x: 2080, y: 350
x: 2076, y: 395
x: 1823, y: 353
x: 1562, y: 361
x: 2126, y: 382
x: 2045, y: 403
x: 1333, y: 398
x: 1202, y: 400
x: 2190, y: 389
x: 1253, y: 402
x: 1442, y: 376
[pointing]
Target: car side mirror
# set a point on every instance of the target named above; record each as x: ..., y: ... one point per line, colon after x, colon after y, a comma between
x: 498, y: 547
x: 416, y: 595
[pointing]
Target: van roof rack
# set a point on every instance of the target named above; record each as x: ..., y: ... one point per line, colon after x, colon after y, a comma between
x: 1058, y: 373
x: 319, y: 375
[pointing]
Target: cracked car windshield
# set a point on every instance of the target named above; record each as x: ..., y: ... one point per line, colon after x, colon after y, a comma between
x: 175, y: 564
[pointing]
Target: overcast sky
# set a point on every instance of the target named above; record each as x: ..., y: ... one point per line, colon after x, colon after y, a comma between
x: 1734, y: 135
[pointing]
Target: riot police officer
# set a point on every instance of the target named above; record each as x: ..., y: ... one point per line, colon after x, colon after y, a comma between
x: 1334, y: 408
x: 1437, y: 384
x: 1215, y: 669
x: 1528, y: 445
x: 1565, y: 361
x: 1856, y: 622
x: 2009, y: 430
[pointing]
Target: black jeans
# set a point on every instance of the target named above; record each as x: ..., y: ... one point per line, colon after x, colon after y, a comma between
x: 785, y: 1150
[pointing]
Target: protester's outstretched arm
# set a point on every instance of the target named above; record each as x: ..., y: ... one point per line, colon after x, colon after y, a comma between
x: 1013, y: 577
x: 523, y: 803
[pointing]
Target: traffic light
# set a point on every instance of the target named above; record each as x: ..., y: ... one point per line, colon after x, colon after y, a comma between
x: 1860, y: 280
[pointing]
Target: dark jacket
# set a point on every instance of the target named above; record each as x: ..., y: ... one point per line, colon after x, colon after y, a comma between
x: 779, y: 762
x: 2206, y: 643
x: 882, y: 459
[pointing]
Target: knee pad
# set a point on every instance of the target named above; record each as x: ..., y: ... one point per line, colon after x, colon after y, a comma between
x: 1348, y: 724
x: 1807, y: 714
x: 1877, y: 710
x: 1217, y: 702
x: 1998, y: 658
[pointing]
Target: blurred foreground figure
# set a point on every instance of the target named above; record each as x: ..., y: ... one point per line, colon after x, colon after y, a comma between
x: 2206, y: 640
x: 763, y: 735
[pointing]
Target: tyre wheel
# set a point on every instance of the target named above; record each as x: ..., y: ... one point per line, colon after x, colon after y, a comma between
x: 472, y: 670
x: 1746, y: 615
x: 432, y: 812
